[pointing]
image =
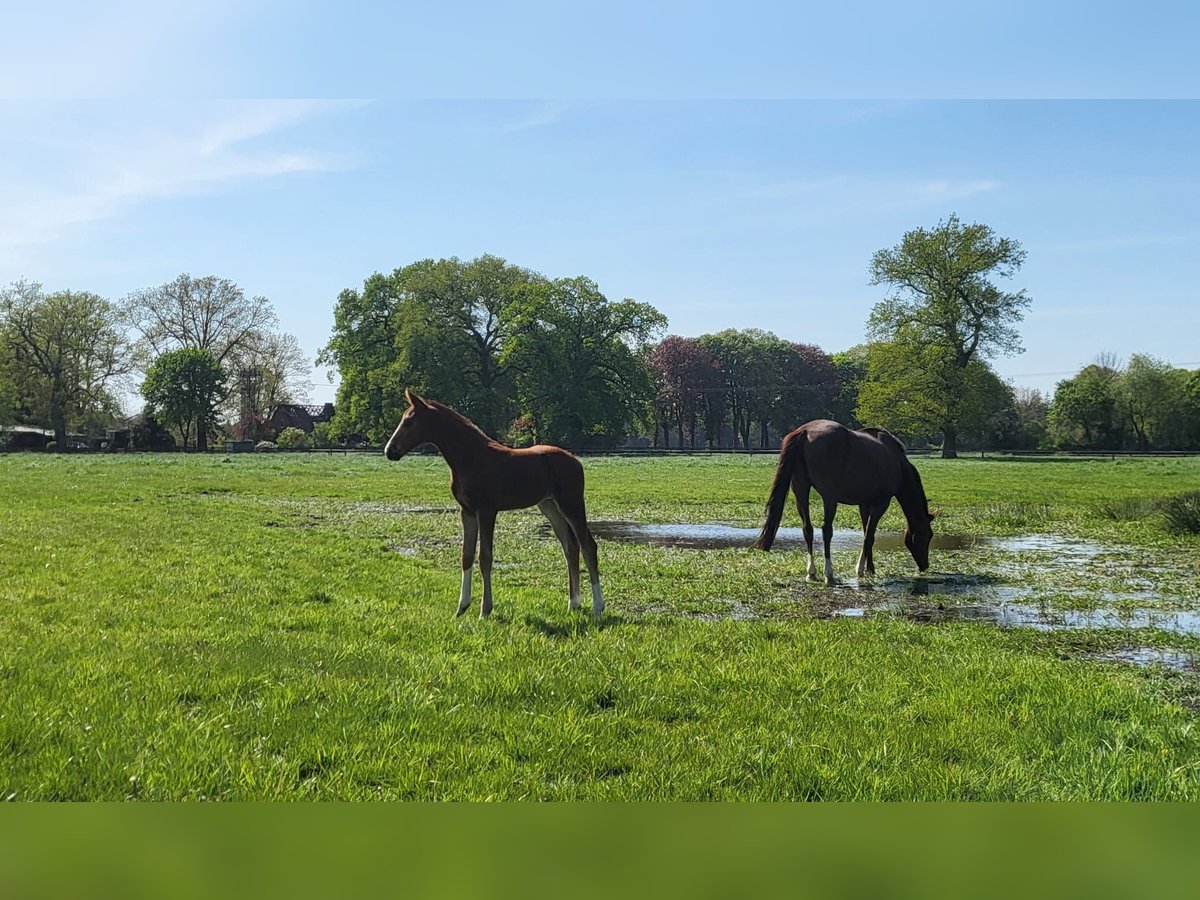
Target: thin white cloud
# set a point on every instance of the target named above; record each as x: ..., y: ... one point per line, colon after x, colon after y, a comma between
x: 540, y: 117
x: 878, y: 193
x: 108, y: 170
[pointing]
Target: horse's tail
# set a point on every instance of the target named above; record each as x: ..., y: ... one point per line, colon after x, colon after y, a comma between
x: 791, y: 454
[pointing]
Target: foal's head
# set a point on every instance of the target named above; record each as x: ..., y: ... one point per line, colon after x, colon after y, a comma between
x: 413, y: 429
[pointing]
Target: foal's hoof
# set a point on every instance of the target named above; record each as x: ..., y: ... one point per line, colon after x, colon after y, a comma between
x: 461, y: 610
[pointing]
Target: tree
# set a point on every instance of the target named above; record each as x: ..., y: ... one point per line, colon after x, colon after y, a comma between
x: 578, y: 361
x: 944, y: 299
x: 741, y: 364
x: 66, y: 353
x: 919, y: 390
x: 370, y: 348
x: 851, y: 366
x: 8, y: 383
x: 207, y: 313
x: 184, y: 389
x: 1085, y: 411
x: 685, y: 373
x: 811, y: 386
x: 443, y: 327
x: 1152, y: 396
x: 269, y: 370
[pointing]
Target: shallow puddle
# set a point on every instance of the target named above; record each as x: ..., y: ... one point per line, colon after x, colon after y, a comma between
x: 714, y: 536
x: 725, y: 537
x: 1167, y: 657
x: 957, y: 597
x: 1028, y: 615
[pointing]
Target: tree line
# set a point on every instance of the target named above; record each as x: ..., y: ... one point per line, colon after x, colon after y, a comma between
x: 210, y: 356
x: 538, y: 359
x: 535, y: 359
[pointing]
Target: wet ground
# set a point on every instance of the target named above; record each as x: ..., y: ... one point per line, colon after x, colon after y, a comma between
x: 1112, y: 590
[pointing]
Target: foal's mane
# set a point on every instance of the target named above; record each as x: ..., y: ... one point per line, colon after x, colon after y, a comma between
x: 455, y: 415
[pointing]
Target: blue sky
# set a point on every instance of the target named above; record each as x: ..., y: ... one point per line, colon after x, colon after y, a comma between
x: 721, y: 212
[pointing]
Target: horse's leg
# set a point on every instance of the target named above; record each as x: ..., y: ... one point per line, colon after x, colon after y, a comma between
x: 800, y: 489
x: 470, y: 526
x: 487, y: 533
x: 573, y: 511
x: 570, y: 548
x: 827, y: 536
x: 876, y: 514
x: 864, y: 513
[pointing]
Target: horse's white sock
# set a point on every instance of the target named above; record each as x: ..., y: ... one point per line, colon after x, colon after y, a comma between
x: 829, y: 579
x: 812, y: 568
x: 597, y: 599
x: 464, y: 597
x: 862, y: 564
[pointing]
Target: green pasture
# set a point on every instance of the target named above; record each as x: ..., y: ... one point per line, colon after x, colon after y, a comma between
x: 281, y: 627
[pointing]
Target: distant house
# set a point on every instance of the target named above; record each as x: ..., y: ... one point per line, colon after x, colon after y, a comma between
x: 298, y: 415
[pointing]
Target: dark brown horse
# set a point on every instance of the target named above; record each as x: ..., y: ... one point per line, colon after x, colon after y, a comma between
x: 486, y: 477
x: 866, y: 468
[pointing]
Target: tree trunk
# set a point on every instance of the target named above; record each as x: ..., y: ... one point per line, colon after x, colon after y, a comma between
x: 949, y: 443
x: 201, y: 437
x: 763, y: 435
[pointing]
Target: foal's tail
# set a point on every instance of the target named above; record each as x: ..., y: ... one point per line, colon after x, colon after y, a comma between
x: 791, y: 454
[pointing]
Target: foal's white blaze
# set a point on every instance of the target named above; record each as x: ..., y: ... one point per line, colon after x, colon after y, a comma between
x: 464, y: 597
x: 597, y: 599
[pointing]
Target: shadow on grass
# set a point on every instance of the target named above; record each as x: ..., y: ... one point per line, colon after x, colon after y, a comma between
x: 576, y: 627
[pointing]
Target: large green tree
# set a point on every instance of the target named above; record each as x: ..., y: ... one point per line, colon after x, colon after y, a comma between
x: 1085, y: 412
x: 66, y: 353
x: 915, y: 390
x: 183, y: 390
x: 944, y: 296
x: 1152, y: 395
x: 579, y: 364
x: 443, y: 327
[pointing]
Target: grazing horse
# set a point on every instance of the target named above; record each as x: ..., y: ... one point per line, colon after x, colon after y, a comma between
x: 486, y: 477
x: 867, y: 468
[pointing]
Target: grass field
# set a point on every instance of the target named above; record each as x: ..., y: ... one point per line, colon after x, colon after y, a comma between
x: 271, y: 627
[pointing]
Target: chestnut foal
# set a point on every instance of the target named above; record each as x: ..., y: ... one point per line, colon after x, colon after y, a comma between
x: 486, y: 477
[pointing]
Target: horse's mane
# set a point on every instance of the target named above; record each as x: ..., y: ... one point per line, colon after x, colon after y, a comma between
x: 455, y: 414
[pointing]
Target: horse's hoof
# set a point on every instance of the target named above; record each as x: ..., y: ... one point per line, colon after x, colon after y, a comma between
x: 461, y: 610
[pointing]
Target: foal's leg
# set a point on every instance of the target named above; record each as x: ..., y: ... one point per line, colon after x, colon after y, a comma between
x: 800, y: 489
x: 570, y: 545
x: 827, y: 536
x: 487, y: 533
x: 470, y: 526
x: 573, y: 511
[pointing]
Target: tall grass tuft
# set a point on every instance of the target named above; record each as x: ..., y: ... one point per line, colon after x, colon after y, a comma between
x: 1182, y: 513
x: 1131, y: 509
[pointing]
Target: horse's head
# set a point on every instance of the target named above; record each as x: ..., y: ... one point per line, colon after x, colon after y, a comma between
x: 413, y: 428
x: 917, y: 539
